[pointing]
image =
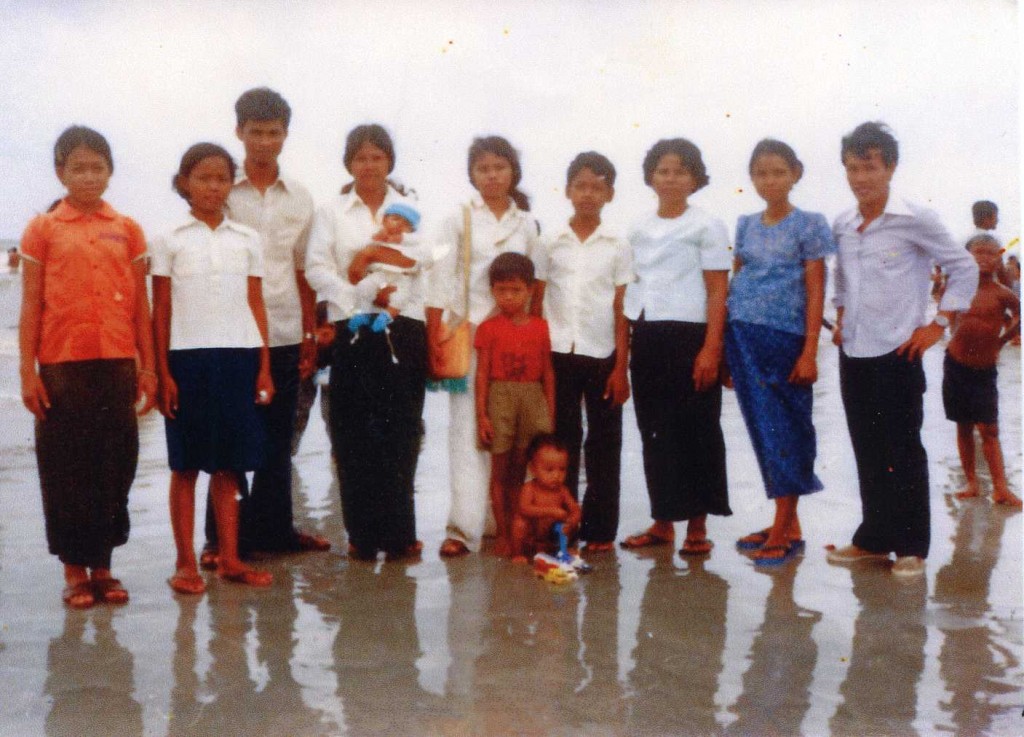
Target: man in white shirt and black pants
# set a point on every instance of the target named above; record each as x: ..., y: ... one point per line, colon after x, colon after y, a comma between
x: 887, y: 248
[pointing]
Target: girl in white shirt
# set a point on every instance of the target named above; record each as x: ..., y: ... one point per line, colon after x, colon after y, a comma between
x: 677, y: 311
x: 213, y: 362
x: 499, y: 221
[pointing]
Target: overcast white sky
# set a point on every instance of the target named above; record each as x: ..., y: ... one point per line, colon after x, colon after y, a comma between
x: 555, y: 77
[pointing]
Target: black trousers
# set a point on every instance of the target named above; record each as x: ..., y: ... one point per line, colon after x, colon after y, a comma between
x: 378, y: 386
x: 87, y: 449
x: 266, y: 522
x: 683, y: 447
x: 579, y: 381
x: 884, y: 401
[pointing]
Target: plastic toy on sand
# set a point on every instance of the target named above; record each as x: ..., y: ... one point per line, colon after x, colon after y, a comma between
x: 562, y: 567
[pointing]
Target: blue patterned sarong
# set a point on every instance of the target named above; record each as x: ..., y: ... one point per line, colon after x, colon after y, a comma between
x: 777, y: 413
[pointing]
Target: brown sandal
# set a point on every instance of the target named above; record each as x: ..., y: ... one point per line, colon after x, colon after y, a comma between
x: 110, y: 591
x: 79, y: 591
x: 645, y: 539
x: 452, y: 548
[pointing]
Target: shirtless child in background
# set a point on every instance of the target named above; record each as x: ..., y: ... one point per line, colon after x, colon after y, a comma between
x: 544, y: 500
x: 969, y: 392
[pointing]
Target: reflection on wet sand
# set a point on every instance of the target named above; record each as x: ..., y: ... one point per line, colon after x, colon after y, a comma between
x: 247, y: 687
x: 91, y: 683
x: 886, y: 656
x: 972, y: 662
x: 776, y: 687
x: 678, y: 654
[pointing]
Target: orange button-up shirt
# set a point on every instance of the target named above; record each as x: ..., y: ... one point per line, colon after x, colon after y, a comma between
x: 88, y: 282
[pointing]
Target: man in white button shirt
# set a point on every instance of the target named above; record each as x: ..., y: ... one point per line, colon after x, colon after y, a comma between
x: 887, y: 247
x: 281, y: 210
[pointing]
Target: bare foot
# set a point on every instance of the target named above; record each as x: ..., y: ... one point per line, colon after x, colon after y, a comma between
x: 245, y: 575
x: 1007, y: 498
x: 519, y: 559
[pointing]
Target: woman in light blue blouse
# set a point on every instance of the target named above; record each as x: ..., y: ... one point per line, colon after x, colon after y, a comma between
x: 775, y: 306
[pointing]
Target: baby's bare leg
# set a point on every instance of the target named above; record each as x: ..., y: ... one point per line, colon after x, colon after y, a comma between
x: 993, y: 453
x: 965, y: 446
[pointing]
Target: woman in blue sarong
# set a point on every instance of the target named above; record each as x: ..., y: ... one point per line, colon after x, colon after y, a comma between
x: 775, y: 303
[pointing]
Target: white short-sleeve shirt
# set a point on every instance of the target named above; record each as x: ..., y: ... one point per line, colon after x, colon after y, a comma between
x: 670, y: 256
x: 209, y: 271
x: 341, y: 229
x: 581, y: 279
x: 516, y: 231
x: 283, y: 216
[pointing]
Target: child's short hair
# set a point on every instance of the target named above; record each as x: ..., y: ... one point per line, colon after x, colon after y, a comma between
x: 597, y: 163
x: 983, y: 209
x: 261, y: 104
x: 688, y: 154
x: 545, y: 440
x: 191, y: 158
x: 770, y: 146
x: 509, y: 266
x: 867, y: 136
x: 80, y: 135
x: 406, y: 211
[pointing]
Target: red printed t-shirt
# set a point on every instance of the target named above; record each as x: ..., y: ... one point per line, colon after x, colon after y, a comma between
x: 88, y: 282
x: 517, y: 351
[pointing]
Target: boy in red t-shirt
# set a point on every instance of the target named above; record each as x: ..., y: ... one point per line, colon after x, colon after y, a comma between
x: 515, y: 385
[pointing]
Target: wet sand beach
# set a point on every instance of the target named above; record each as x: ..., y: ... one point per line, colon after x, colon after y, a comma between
x: 647, y: 644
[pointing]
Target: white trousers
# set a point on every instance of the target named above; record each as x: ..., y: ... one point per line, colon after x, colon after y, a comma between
x: 469, y: 467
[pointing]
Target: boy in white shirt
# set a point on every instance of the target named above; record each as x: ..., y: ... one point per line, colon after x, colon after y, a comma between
x: 582, y: 276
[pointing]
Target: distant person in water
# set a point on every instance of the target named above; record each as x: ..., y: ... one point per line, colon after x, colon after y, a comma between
x: 969, y: 391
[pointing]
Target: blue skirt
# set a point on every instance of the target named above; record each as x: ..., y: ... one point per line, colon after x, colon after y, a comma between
x: 777, y: 413
x: 218, y: 425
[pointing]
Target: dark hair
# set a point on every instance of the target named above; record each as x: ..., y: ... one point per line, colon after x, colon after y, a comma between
x: 688, y: 154
x: 597, y: 163
x: 982, y: 238
x: 262, y: 103
x: 983, y: 209
x: 191, y: 158
x: 545, y: 440
x: 867, y: 136
x: 79, y: 135
x: 499, y: 147
x: 511, y: 265
x: 771, y: 146
x: 375, y: 135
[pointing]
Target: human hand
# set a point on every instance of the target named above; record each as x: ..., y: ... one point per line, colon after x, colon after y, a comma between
x: 264, y: 387
x: 359, y: 264
x: 146, y: 393
x: 168, y: 405
x: 307, y: 358
x: 33, y: 394
x: 485, y: 430
x: 383, y: 298
x: 616, y: 389
x: 921, y: 340
x: 805, y: 371
x: 837, y: 335
x: 705, y: 368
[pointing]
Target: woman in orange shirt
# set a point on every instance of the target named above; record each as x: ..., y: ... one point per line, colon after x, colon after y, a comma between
x: 86, y: 361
